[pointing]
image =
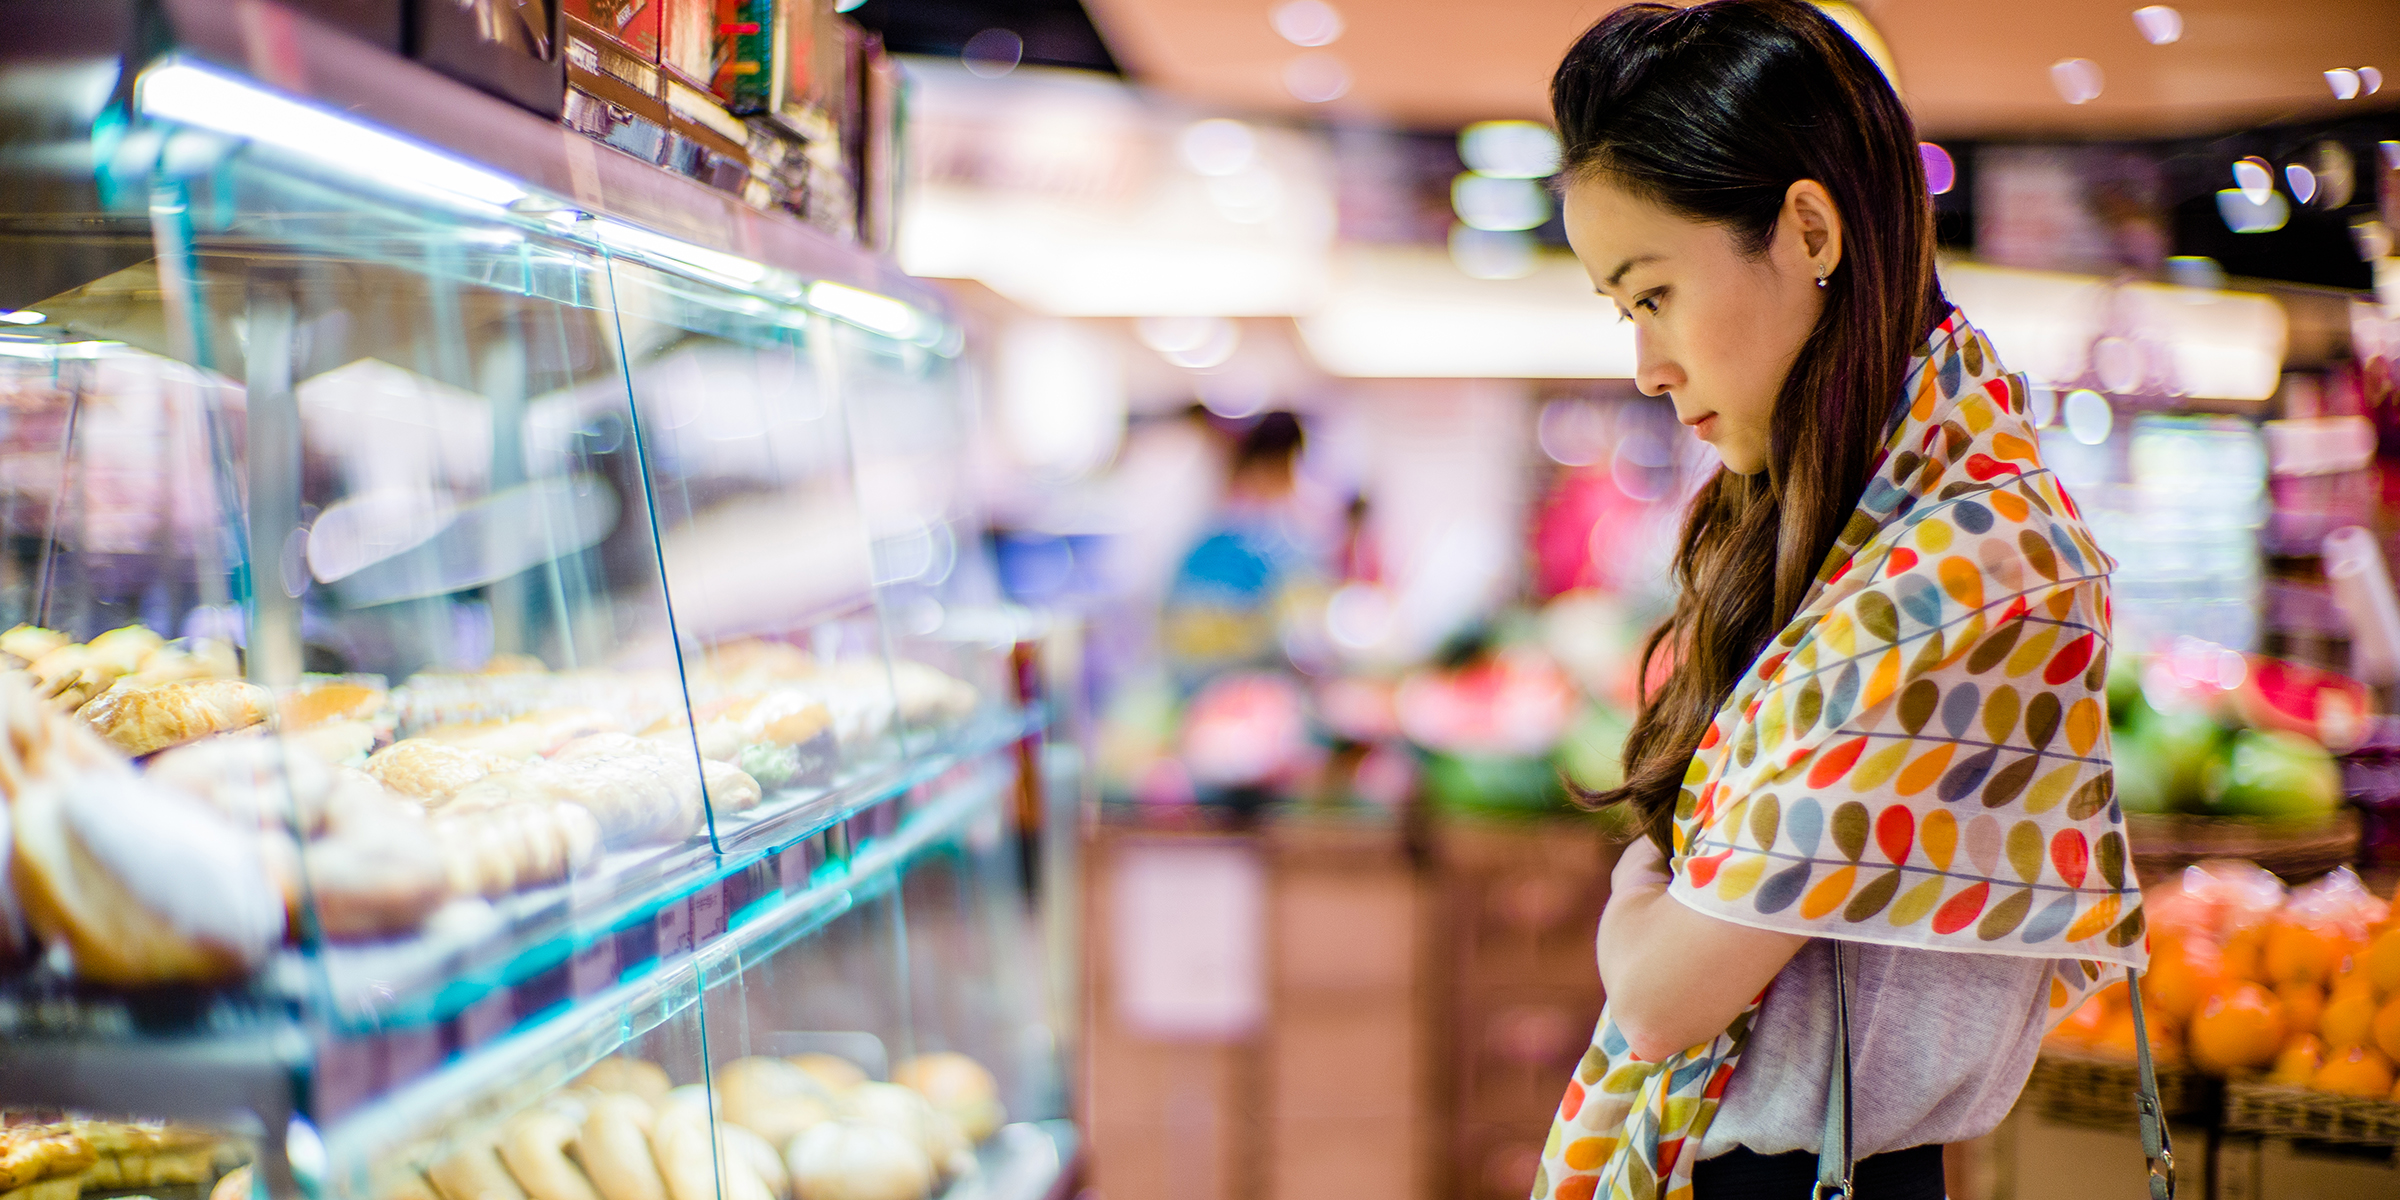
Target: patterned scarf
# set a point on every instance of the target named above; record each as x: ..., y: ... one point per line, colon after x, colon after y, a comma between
x: 1920, y: 759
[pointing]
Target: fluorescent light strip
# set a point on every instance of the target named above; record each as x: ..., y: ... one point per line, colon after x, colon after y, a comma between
x: 884, y: 315
x: 55, y: 351
x: 23, y: 317
x: 189, y: 94
x: 617, y: 235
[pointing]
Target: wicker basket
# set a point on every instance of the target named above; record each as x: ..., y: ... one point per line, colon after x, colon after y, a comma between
x: 2100, y: 1092
x: 2165, y: 843
x: 2277, y: 1111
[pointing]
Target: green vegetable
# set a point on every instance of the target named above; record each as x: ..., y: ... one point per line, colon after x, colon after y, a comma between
x: 771, y: 765
x: 2273, y: 774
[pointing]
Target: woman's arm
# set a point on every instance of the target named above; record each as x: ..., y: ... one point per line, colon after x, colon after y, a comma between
x: 1675, y: 977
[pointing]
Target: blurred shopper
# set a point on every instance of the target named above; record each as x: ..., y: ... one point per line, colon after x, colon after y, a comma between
x: 1253, y: 564
x: 1876, y: 768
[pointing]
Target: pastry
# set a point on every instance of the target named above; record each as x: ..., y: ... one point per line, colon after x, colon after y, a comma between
x: 831, y: 1071
x: 527, y: 736
x: 62, y: 1187
x: 638, y: 799
x: 533, y: 1147
x: 71, y: 676
x: 26, y: 643
x: 378, y: 871
x: 142, y: 720
x: 958, y: 1087
x: 346, y: 742
x: 401, y: 1184
x: 895, y: 1107
x: 697, y: 1166
x: 31, y: 1152
x: 631, y: 1076
x: 235, y: 1186
x: 266, y: 783
x: 328, y: 701
x: 144, y: 885
x: 193, y: 658
x: 614, y: 1149
x: 430, y: 771
x: 761, y: 1157
x: 839, y: 1160
x: 495, y: 851
x: 771, y: 1097
x: 473, y: 1172
x: 125, y: 647
x: 730, y: 788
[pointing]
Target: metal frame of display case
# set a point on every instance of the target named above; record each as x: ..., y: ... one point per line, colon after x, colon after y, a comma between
x: 525, y: 1015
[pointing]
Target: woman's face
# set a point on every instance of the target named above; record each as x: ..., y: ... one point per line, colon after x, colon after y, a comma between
x: 1714, y: 330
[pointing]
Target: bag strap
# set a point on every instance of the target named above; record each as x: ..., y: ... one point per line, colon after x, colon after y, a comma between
x: 2157, y: 1147
x: 1833, y: 1150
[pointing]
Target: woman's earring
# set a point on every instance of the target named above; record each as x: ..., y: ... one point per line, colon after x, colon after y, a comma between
x: 1820, y: 275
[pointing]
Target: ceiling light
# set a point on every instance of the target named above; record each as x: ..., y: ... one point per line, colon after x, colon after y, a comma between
x: 1217, y: 146
x: 880, y: 313
x: 993, y: 53
x: 1491, y: 253
x: 2254, y: 178
x: 1307, y: 22
x: 2302, y: 181
x: 2088, y: 416
x: 1941, y: 174
x: 2078, y: 80
x: 23, y: 316
x: 2344, y: 82
x: 1509, y: 149
x: 206, y: 98
x: 1489, y: 202
x: 1317, y: 78
x: 2159, y: 24
x: 2245, y: 215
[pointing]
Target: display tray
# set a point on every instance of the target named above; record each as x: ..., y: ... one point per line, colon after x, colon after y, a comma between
x: 2100, y: 1093
x: 2164, y: 843
x: 368, y: 1121
x: 2271, y: 1110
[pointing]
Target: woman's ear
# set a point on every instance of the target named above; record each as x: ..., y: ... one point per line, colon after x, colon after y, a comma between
x: 1809, y: 208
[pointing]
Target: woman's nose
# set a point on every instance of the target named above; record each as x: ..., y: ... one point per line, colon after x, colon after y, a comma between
x: 1653, y: 372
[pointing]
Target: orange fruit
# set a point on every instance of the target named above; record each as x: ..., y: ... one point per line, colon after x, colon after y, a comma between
x: 2299, y: 1061
x: 2385, y: 1030
x: 2237, y: 1029
x: 2383, y: 962
x: 2244, y: 953
x: 2181, y: 978
x: 2357, y: 1071
x: 2303, y: 1006
x: 2077, y: 1029
x: 2349, y: 1018
x: 2301, y: 953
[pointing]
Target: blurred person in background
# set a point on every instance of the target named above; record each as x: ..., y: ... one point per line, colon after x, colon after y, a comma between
x: 1874, y: 764
x: 1254, y: 563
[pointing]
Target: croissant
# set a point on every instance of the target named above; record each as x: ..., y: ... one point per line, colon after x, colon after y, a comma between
x: 429, y: 771
x: 29, y: 642
x: 495, y: 851
x: 637, y: 798
x: 140, y: 720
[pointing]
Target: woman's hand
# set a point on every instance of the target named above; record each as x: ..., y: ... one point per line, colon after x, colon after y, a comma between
x: 1675, y: 977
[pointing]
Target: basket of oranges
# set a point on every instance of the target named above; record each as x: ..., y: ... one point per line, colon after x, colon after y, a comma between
x: 2292, y: 998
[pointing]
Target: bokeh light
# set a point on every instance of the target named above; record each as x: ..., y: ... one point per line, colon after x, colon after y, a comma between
x: 2301, y: 180
x: 2242, y: 214
x: 1317, y: 78
x: 1307, y: 22
x: 1217, y: 146
x: 2344, y: 82
x: 1509, y: 149
x: 2160, y: 25
x: 2254, y: 177
x: 1491, y: 202
x: 2089, y: 417
x: 2078, y: 80
x: 1941, y: 174
x: 993, y: 53
x: 1491, y: 253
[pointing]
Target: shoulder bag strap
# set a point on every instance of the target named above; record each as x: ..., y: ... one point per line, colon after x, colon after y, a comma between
x: 2157, y: 1147
x: 1833, y: 1150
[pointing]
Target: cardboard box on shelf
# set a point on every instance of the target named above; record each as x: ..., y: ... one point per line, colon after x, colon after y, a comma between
x: 633, y: 25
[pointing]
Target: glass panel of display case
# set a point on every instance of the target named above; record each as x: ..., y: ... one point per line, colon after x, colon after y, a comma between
x: 913, y: 422
x: 361, y: 470
x: 765, y: 550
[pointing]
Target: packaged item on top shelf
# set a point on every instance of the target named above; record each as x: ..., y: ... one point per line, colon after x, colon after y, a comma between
x: 628, y: 26
x: 506, y: 47
x: 50, y: 1159
x: 614, y: 92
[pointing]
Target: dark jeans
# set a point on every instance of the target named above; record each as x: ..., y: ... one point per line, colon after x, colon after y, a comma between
x: 1739, y: 1174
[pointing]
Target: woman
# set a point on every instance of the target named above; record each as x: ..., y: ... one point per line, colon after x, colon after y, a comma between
x: 1883, y: 733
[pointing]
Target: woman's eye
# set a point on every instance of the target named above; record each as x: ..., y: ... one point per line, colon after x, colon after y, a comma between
x: 1648, y: 304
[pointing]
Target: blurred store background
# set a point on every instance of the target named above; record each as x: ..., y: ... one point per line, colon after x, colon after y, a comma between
x: 1297, y: 401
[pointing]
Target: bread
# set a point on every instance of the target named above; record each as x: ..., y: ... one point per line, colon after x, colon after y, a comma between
x: 143, y: 720
x: 839, y: 1160
x: 32, y: 1152
x: 760, y: 1156
x: 125, y: 647
x: 473, y: 1172
x: 401, y: 1183
x: 527, y: 736
x: 265, y: 782
x: 533, y: 1146
x: 71, y: 676
x: 628, y: 1076
x: 958, y: 1087
x: 831, y: 1071
x: 771, y: 1097
x: 902, y: 1110
x: 62, y: 1187
x: 495, y: 851
x: 25, y: 643
x: 638, y: 799
x: 730, y: 789
x: 697, y: 1166
x: 235, y: 1186
x: 377, y: 872
x: 328, y: 701
x: 431, y: 771
x: 614, y: 1149
x: 196, y: 658
x: 143, y: 884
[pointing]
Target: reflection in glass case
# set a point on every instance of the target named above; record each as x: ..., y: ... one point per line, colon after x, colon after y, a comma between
x: 504, y: 697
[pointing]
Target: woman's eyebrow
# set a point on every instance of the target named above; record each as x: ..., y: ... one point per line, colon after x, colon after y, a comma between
x: 1637, y: 260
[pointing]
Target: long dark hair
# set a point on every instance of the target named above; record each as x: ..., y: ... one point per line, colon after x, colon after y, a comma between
x: 1713, y: 112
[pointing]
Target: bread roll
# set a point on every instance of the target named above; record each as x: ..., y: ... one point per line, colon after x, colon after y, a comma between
x: 533, y: 1147
x: 638, y: 799
x: 429, y: 771
x: 125, y: 647
x: 695, y: 1165
x: 831, y: 1071
x: 473, y: 1172
x: 761, y: 1158
x: 31, y: 1152
x: 958, y: 1087
x: 265, y: 783
x: 897, y: 1108
x: 70, y: 676
x: 25, y: 643
x: 771, y: 1098
x: 839, y: 1160
x: 377, y: 873
x: 144, y: 885
x: 614, y: 1149
x: 630, y: 1076
x: 142, y: 720
x: 234, y: 1186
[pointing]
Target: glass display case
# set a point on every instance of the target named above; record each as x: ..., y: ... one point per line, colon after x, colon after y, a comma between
x: 504, y: 694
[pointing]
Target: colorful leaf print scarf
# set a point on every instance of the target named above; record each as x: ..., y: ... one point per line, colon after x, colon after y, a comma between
x: 1919, y: 759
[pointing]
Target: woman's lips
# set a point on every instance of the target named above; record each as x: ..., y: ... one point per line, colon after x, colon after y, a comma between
x: 1705, y: 426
